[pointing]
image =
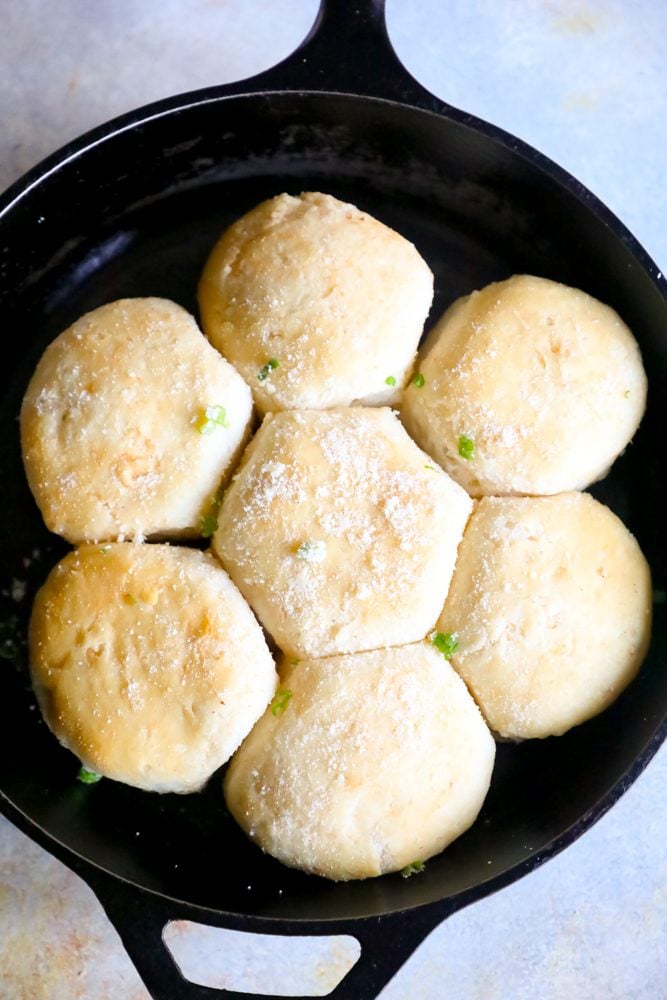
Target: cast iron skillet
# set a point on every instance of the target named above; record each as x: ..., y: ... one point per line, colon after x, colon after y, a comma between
x: 132, y: 208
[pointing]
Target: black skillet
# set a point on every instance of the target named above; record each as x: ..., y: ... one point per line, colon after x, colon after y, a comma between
x: 132, y: 208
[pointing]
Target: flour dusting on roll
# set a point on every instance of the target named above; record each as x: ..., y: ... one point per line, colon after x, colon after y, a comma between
x: 551, y: 606
x: 147, y: 663
x: 316, y: 303
x: 340, y: 532
x: 130, y: 424
x: 526, y: 387
x: 364, y: 764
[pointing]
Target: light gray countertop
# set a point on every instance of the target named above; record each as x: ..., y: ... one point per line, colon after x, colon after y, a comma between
x: 585, y: 81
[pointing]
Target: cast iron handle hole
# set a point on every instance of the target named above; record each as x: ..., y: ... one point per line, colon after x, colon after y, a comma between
x: 264, y: 964
x: 178, y: 958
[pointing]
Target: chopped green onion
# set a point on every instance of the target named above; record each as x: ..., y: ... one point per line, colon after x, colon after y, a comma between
x: 9, y: 644
x: 87, y: 777
x: 466, y: 447
x: 390, y: 380
x: 266, y: 369
x: 413, y: 869
x: 431, y: 467
x: 418, y: 380
x: 627, y: 394
x: 105, y: 549
x: 209, y: 418
x: 445, y: 642
x: 280, y: 702
x: 312, y: 551
x: 208, y: 524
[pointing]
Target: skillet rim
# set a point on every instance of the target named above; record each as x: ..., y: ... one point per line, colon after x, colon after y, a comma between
x: 95, y: 875
x: 424, y: 103
x: 102, y: 880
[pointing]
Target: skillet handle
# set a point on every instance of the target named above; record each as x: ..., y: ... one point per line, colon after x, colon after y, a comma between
x: 140, y: 919
x: 346, y: 51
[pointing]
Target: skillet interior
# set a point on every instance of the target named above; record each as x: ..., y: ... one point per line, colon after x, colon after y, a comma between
x: 136, y: 215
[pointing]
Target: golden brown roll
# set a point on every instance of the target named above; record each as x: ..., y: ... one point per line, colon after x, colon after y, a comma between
x: 364, y: 764
x: 130, y: 423
x: 316, y: 303
x: 147, y: 663
x: 526, y: 387
x: 340, y: 532
x: 550, y: 605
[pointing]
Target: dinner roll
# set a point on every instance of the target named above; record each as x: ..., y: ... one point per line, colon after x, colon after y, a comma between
x: 147, y: 663
x: 551, y: 607
x: 364, y: 764
x: 316, y: 303
x: 526, y: 387
x: 340, y: 532
x: 130, y: 423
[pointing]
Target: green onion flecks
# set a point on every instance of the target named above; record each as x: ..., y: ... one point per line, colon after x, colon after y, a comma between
x: 210, y: 418
x: 445, y: 642
x: 413, y: 869
x: 87, y: 777
x: 266, y: 369
x: 466, y: 447
x: 280, y: 702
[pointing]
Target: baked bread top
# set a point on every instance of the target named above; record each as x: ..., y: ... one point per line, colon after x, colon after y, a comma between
x: 130, y: 423
x: 340, y: 532
x: 147, y: 663
x: 364, y: 764
x: 551, y: 607
x: 316, y: 303
x: 526, y: 387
